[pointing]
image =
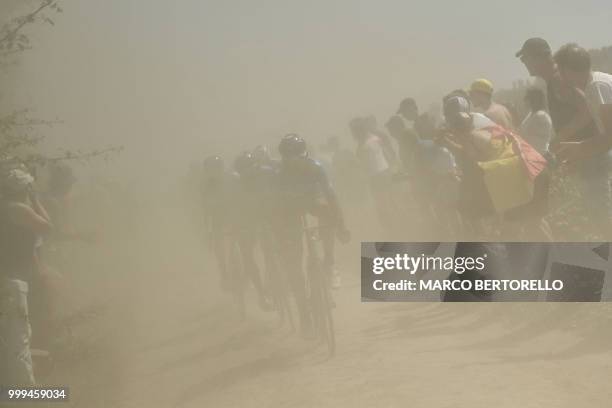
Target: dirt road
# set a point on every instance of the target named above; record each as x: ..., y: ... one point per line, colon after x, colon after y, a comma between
x: 173, y: 341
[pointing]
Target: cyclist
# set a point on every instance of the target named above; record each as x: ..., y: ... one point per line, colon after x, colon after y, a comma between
x: 251, y: 221
x: 262, y: 156
x: 304, y: 189
x: 219, y: 191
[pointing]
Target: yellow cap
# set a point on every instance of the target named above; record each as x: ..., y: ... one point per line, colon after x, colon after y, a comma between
x: 482, y: 85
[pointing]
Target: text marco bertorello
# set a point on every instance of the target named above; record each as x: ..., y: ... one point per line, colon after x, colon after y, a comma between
x: 457, y: 265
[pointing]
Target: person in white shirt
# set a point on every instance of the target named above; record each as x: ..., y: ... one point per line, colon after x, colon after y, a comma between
x: 370, y: 153
x: 590, y: 91
x: 598, y: 92
x: 385, y: 140
x: 537, y: 127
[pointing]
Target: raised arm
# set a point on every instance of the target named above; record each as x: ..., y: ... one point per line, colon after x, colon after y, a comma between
x: 28, y: 217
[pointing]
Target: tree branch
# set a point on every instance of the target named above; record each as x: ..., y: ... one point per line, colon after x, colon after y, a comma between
x: 11, y: 34
x: 75, y: 156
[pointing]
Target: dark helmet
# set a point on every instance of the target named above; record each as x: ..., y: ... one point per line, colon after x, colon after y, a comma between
x: 213, y: 165
x: 245, y: 163
x: 292, y: 145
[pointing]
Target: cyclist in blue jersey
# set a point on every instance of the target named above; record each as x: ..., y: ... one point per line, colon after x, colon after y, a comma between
x: 304, y: 189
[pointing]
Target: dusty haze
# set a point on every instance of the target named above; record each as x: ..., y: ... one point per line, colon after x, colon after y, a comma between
x: 175, y: 81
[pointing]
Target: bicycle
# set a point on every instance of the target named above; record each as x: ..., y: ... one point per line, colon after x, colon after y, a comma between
x: 276, y: 281
x: 235, y: 282
x: 319, y: 289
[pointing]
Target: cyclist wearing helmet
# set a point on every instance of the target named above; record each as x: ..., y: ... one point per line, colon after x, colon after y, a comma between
x: 252, y: 215
x: 304, y: 184
x: 219, y: 191
x: 304, y: 189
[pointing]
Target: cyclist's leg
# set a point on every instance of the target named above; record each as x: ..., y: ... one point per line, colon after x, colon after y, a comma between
x: 290, y: 238
x: 272, y: 278
x: 275, y: 282
x: 246, y: 242
x: 329, y: 247
x: 218, y: 242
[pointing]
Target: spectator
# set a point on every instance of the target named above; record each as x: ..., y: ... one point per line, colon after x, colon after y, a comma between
x: 537, y: 126
x: 514, y: 113
x: 409, y: 111
x: 370, y: 150
x: 591, y: 90
x: 591, y: 87
x: 388, y: 150
x: 344, y: 164
x: 406, y: 139
x: 479, y: 120
x: 481, y: 94
x: 537, y: 57
x: 57, y: 201
x: 573, y: 124
x: 370, y: 153
x: 493, y: 161
x: 22, y: 220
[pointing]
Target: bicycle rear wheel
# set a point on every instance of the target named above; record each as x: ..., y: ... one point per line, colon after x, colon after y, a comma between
x: 237, y: 280
x: 321, y: 305
x: 328, y: 329
x: 276, y: 281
